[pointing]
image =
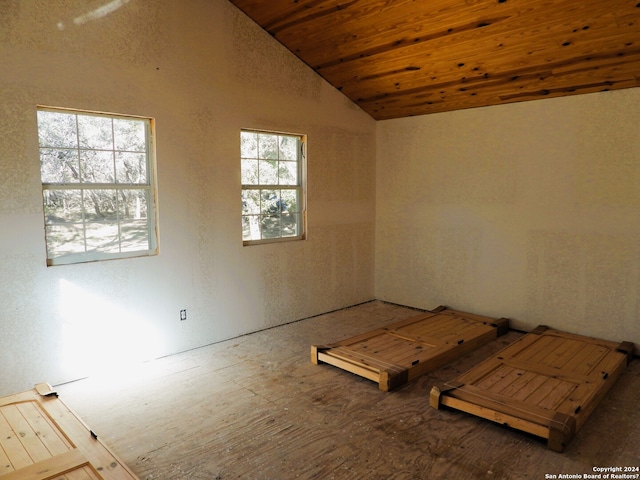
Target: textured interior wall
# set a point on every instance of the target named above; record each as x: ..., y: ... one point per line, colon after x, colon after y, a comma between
x: 529, y: 211
x: 203, y: 71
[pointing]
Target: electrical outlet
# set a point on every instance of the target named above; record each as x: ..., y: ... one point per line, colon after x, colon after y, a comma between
x: 183, y: 315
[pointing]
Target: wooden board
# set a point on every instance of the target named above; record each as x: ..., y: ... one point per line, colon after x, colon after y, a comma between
x: 547, y: 383
x: 402, y: 351
x: 41, y: 439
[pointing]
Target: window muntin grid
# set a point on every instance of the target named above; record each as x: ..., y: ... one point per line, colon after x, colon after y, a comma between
x: 97, y: 184
x: 272, y: 169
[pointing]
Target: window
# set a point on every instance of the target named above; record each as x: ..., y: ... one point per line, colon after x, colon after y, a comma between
x: 273, y: 206
x: 97, y: 186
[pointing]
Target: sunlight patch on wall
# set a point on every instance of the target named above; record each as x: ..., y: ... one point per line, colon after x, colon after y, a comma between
x: 100, y: 338
x: 97, y: 13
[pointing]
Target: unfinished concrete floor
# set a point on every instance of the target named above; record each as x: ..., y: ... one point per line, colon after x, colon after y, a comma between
x: 255, y: 407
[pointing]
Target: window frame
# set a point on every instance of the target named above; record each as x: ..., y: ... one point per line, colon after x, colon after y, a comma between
x: 301, y: 187
x: 149, y: 188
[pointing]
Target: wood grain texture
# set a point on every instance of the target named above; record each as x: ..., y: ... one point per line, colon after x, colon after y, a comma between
x: 256, y: 408
x: 402, y: 58
x: 547, y: 383
x: 404, y: 350
x: 41, y: 439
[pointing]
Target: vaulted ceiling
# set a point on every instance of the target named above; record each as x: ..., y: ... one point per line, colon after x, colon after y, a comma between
x: 398, y: 58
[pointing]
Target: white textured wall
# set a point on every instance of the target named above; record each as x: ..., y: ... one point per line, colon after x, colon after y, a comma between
x: 203, y: 71
x: 529, y: 211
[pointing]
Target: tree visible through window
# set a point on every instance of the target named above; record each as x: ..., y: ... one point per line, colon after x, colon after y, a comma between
x: 272, y: 186
x: 97, y: 186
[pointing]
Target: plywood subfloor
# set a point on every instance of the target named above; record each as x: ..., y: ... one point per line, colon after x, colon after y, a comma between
x: 546, y: 383
x: 257, y: 408
x: 402, y: 351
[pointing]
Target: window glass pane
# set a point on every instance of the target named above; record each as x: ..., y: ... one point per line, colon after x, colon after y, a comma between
x: 131, y: 168
x: 57, y: 129
x: 129, y: 135
x: 270, y: 201
x: 64, y: 239
x: 251, y: 227
x: 290, y: 224
x: 132, y: 204
x: 100, y: 205
x: 248, y: 145
x: 270, y: 210
x: 59, y: 166
x: 270, y: 226
x: 288, y: 148
x: 268, y: 146
x: 250, y: 172
x: 289, y: 200
x: 102, y: 237
x: 134, y: 236
x: 95, y: 132
x: 288, y: 173
x: 268, y: 172
x: 250, y: 202
x: 96, y: 166
x: 62, y: 206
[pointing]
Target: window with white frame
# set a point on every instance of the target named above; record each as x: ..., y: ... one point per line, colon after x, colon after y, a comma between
x: 98, y: 187
x: 273, y: 197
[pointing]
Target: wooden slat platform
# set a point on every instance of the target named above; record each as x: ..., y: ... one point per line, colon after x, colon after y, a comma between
x: 402, y: 351
x: 547, y: 383
x: 41, y: 439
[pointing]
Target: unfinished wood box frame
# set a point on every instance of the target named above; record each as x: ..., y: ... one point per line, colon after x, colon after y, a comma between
x: 400, y: 352
x: 546, y: 383
x: 41, y: 439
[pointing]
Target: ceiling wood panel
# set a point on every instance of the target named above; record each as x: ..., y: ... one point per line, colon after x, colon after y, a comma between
x: 413, y: 57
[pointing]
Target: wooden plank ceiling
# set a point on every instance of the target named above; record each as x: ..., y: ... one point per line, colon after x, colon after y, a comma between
x: 412, y: 57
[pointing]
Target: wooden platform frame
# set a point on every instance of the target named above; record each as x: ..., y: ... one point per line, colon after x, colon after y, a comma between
x: 400, y: 352
x: 546, y: 383
x: 41, y: 439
